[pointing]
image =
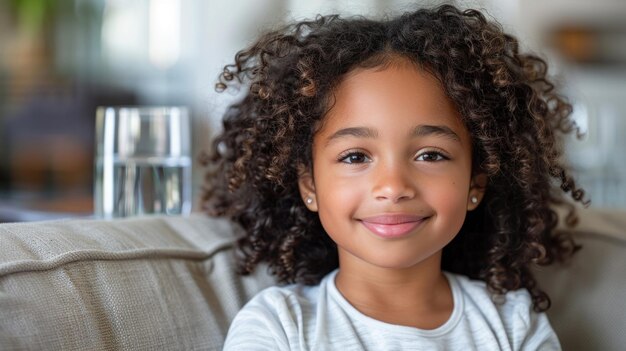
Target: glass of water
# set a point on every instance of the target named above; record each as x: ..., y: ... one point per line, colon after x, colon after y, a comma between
x: 143, y: 162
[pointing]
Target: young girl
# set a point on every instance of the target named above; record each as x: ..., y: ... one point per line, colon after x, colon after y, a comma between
x: 399, y: 174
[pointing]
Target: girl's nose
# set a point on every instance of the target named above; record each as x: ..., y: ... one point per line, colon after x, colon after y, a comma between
x: 393, y: 184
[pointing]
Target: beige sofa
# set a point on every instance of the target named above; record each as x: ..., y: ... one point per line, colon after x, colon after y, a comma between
x: 168, y: 283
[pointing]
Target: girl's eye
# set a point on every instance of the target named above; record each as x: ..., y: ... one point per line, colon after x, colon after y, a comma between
x: 431, y: 156
x: 354, y: 158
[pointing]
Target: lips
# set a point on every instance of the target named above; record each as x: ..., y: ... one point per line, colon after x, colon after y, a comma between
x: 392, y: 226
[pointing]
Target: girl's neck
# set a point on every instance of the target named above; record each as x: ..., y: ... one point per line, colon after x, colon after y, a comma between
x: 419, y: 296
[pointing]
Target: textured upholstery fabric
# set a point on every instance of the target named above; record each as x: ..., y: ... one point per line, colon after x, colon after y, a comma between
x: 589, y: 293
x: 165, y: 283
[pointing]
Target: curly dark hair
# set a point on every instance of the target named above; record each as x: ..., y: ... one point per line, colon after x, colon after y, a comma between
x: 507, y: 103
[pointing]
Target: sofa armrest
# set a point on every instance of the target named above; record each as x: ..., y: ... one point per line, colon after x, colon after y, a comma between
x: 128, y: 284
x: 589, y: 293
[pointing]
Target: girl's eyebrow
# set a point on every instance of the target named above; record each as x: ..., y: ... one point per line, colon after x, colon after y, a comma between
x: 359, y: 132
x: 419, y: 131
x: 445, y: 131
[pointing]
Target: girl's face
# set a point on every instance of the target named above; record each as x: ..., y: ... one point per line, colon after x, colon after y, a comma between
x: 391, y: 168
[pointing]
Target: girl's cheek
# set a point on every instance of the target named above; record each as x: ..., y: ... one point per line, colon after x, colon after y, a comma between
x: 341, y: 191
x: 451, y: 198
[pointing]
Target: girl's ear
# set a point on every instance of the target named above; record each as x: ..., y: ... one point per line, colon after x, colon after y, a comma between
x: 307, y: 188
x: 476, y: 191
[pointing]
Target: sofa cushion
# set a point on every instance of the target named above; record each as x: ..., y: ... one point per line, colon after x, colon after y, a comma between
x: 129, y: 284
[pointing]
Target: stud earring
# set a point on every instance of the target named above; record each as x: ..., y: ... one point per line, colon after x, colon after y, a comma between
x: 474, y: 199
x: 309, y: 200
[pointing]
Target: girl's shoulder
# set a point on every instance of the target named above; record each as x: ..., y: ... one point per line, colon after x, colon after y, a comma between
x: 479, y: 288
x: 513, y: 307
x: 272, y: 319
x: 277, y: 315
x: 285, y: 299
x: 509, y: 315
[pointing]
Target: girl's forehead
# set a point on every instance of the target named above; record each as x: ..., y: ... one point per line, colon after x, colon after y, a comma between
x: 398, y: 92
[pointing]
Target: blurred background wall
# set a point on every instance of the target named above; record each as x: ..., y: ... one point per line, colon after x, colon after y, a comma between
x: 60, y: 59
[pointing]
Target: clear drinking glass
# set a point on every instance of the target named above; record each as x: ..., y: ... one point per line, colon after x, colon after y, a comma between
x: 143, y: 162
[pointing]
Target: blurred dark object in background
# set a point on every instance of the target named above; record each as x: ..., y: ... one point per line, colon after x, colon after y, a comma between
x: 597, y: 44
x: 47, y: 111
x: 48, y: 145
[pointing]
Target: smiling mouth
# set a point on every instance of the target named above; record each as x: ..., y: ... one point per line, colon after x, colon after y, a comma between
x: 392, y: 226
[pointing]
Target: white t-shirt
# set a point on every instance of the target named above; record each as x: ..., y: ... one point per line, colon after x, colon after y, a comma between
x: 298, y: 317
